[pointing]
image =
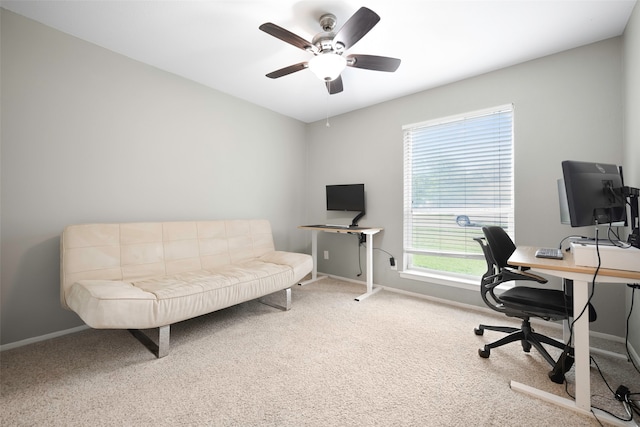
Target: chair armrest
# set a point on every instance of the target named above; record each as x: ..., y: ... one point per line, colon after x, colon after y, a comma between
x: 523, y: 275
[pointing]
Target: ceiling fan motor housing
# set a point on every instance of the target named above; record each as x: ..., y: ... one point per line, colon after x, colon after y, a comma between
x: 328, y: 47
x: 324, y: 43
x: 324, y: 40
x: 328, y: 22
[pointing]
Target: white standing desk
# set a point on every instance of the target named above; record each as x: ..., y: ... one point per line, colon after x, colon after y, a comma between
x: 581, y: 276
x: 369, y: 231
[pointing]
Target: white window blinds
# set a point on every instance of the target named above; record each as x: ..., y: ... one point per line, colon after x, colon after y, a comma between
x: 458, y: 176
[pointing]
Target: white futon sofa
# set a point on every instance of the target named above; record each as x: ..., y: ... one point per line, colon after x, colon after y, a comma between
x: 149, y: 275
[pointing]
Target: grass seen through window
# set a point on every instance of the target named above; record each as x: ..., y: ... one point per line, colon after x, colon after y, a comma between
x: 467, y: 267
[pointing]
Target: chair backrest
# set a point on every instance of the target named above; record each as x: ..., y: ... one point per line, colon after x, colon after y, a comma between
x: 491, y: 264
x: 498, y: 247
x: 490, y: 279
x: 500, y: 244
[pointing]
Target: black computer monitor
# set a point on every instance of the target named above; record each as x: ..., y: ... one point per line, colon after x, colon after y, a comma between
x: 346, y: 197
x: 593, y: 193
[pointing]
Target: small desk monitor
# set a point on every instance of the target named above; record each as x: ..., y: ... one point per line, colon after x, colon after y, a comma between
x: 346, y: 197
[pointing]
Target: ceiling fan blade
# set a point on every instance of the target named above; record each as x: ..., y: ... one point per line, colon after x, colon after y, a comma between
x: 356, y: 27
x: 373, y: 62
x: 287, y: 70
x: 334, y: 86
x: 287, y: 36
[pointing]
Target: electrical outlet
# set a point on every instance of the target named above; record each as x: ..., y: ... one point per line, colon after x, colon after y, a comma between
x: 392, y: 263
x: 326, y: 254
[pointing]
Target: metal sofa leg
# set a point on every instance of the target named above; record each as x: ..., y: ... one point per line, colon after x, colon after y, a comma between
x: 161, y: 349
x: 285, y: 307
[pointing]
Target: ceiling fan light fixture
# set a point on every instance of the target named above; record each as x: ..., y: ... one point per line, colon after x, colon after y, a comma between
x: 328, y: 47
x: 327, y: 66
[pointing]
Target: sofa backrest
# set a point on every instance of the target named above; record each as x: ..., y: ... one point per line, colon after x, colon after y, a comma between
x: 129, y: 251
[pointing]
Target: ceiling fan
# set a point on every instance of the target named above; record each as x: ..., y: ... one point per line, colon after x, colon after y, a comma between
x: 328, y: 48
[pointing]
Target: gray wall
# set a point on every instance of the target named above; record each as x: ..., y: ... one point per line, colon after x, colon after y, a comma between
x: 88, y: 135
x: 631, y: 147
x: 91, y: 136
x: 567, y: 106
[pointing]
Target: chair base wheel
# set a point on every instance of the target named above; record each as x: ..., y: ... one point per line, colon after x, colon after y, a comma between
x: 564, y: 363
x: 478, y: 331
x: 484, y: 353
x: 556, y: 377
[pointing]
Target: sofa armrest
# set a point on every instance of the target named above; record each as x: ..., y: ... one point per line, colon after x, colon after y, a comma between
x: 301, y: 264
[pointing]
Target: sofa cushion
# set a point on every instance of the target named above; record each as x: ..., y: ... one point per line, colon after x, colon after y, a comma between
x: 132, y: 251
x: 168, y: 299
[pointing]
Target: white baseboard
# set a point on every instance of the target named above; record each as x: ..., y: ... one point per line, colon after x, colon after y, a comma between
x: 634, y: 355
x: 28, y: 341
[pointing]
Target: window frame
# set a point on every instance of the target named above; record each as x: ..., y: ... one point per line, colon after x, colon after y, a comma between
x: 442, y: 276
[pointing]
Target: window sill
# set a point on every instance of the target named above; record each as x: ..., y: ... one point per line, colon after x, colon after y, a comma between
x: 441, y: 279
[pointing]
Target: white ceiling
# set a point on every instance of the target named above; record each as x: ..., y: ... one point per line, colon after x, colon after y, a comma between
x: 218, y: 44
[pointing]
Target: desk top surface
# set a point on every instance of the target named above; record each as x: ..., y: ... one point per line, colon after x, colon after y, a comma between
x: 342, y: 229
x: 525, y: 256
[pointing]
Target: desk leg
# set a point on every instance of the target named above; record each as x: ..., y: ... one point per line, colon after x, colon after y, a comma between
x: 314, y: 255
x: 370, y: 289
x: 581, y: 346
x: 582, y: 363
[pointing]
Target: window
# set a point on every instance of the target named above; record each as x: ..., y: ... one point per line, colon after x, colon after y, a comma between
x: 458, y: 177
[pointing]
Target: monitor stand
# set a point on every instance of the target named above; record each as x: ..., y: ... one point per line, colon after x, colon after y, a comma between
x: 634, y: 237
x: 354, y: 221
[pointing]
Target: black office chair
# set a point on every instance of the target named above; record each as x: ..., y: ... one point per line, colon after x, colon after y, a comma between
x: 521, y: 301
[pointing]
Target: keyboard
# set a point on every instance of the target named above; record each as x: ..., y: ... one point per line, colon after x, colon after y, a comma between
x: 553, y: 253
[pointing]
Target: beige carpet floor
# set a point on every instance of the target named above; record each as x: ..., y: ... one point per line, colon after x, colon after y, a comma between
x: 390, y: 360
